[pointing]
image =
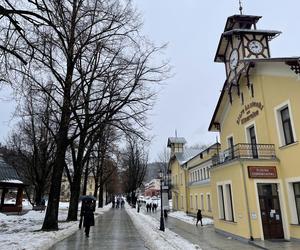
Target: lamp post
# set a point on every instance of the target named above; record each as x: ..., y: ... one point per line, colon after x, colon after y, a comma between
x: 162, y: 224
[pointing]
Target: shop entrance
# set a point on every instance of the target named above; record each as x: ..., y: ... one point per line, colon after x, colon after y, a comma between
x: 270, y: 211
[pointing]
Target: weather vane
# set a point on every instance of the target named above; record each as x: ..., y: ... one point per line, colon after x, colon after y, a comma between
x: 241, y: 7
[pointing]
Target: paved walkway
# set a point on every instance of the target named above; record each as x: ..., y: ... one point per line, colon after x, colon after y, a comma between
x: 204, y: 236
x: 113, y: 230
x: 207, y: 238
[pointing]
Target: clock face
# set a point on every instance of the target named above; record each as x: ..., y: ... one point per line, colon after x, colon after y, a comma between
x: 255, y: 46
x: 233, y: 59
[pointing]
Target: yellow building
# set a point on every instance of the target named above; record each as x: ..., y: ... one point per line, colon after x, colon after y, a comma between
x: 255, y: 180
x: 198, y: 188
x: 190, y: 176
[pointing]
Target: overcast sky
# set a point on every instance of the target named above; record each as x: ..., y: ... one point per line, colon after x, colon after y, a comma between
x: 192, y: 29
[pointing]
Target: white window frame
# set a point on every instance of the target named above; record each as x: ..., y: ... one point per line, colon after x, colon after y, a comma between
x: 291, y: 199
x: 202, y: 201
x: 278, y: 120
x: 208, y: 202
x: 225, y: 214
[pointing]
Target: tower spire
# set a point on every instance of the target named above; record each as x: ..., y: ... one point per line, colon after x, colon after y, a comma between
x: 241, y: 7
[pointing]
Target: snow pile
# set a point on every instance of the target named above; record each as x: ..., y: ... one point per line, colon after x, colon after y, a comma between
x: 189, y: 219
x: 22, y: 232
x: 148, y: 227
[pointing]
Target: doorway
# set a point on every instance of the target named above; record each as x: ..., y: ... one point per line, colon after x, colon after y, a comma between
x: 270, y: 211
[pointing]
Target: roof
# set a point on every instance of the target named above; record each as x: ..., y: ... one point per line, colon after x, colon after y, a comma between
x: 8, y: 174
x: 222, y: 99
x: 219, y: 57
x: 241, y: 21
x: 186, y: 155
x: 179, y: 140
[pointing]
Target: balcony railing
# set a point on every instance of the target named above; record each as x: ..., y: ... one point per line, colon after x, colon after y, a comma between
x: 245, y: 151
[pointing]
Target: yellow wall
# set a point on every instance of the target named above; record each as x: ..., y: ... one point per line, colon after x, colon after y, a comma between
x: 178, y: 189
x: 274, y: 84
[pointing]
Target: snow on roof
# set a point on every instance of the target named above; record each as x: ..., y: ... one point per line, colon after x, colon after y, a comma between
x: 12, y: 181
x: 186, y: 155
x: 7, y: 172
x: 172, y: 140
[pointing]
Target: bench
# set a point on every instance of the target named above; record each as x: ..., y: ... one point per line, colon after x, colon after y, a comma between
x: 39, y: 208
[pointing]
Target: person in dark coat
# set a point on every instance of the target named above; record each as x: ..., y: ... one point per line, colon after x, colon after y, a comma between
x: 88, y: 216
x: 199, y: 217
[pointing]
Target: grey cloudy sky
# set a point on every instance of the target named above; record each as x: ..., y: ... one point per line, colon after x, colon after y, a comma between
x: 192, y: 29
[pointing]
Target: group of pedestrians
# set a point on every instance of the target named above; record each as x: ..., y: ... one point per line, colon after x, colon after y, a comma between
x: 151, y: 207
x: 118, y: 202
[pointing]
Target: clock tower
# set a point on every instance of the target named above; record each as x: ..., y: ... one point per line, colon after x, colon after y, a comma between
x: 241, y: 40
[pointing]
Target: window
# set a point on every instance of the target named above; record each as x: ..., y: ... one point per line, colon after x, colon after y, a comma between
x: 296, y: 186
x: 191, y: 201
x: 230, y: 147
x: 286, y: 126
x: 229, y: 202
x: 204, y: 173
x: 221, y: 202
x: 196, y: 201
x: 225, y: 202
x: 201, y: 174
x: 182, y: 201
x: 208, y: 172
x: 208, y: 202
x: 202, y: 202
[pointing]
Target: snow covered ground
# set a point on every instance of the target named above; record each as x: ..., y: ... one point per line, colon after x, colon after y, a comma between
x: 148, y: 227
x: 23, y: 232
x: 189, y: 219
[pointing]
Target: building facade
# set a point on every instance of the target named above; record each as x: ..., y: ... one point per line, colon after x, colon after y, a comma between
x: 152, y: 188
x: 255, y: 179
x: 251, y: 185
x: 190, y: 177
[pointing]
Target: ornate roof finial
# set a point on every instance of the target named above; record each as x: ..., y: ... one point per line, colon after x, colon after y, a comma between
x: 241, y: 7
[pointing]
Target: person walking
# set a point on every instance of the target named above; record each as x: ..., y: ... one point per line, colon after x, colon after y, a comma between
x: 199, y: 217
x: 88, y: 215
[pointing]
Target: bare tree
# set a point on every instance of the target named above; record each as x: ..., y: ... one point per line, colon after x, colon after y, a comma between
x: 134, y: 164
x: 31, y: 147
x: 51, y: 40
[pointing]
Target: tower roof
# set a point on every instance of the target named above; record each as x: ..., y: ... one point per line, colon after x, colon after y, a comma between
x: 239, y: 25
x: 176, y: 140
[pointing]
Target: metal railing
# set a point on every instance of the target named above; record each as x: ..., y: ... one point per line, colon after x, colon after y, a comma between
x: 245, y: 151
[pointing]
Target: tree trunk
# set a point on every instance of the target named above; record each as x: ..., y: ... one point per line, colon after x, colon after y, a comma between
x: 86, y: 175
x: 38, y: 195
x: 101, y: 191
x: 51, y: 217
x: 75, y: 193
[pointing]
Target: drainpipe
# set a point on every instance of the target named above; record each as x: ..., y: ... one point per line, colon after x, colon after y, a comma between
x: 247, y: 201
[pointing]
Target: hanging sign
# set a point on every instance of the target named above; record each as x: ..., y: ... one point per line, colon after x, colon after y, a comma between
x: 265, y: 172
x: 249, y: 112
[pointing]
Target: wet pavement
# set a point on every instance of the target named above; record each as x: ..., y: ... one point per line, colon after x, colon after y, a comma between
x: 205, y: 236
x: 113, y: 230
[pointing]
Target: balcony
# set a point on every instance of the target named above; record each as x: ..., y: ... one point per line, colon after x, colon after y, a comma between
x: 245, y: 151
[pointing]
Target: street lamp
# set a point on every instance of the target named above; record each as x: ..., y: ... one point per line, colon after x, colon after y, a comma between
x: 162, y: 224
